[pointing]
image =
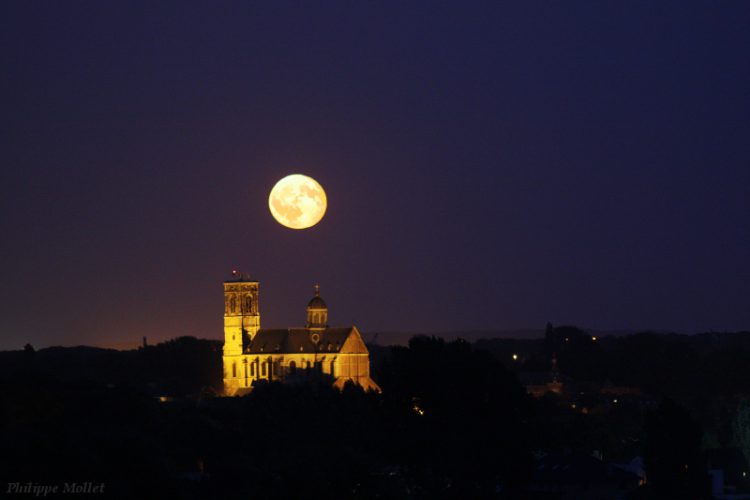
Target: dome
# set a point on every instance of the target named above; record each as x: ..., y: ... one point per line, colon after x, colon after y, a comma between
x: 317, y: 303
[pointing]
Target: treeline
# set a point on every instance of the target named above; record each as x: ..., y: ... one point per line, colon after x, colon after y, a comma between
x: 178, y: 367
x: 707, y: 373
x: 451, y: 422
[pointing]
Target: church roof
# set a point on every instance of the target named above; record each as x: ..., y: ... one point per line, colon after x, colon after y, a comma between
x: 296, y: 340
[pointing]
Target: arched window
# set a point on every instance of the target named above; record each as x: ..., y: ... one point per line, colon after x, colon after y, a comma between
x: 234, y: 369
x: 332, y: 370
x: 252, y: 369
x: 292, y: 368
x: 264, y: 369
x: 307, y: 366
x: 248, y: 303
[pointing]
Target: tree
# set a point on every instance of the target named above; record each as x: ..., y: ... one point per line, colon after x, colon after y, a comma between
x: 675, y: 467
x: 741, y: 428
x: 464, y: 429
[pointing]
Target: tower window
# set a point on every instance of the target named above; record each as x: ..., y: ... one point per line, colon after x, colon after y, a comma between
x: 292, y: 368
x: 264, y: 369
x: 234, y: 369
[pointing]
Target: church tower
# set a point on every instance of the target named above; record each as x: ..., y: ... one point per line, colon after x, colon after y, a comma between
x: 317, y: 312
x: 241, y: 316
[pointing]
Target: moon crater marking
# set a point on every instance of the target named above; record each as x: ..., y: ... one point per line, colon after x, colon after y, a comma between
x: 297, y: 201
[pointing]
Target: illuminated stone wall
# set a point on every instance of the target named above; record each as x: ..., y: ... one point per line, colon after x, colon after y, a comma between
x: 241, y: 369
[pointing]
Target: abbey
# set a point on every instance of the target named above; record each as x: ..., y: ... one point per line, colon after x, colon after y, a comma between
x: 253, y: 353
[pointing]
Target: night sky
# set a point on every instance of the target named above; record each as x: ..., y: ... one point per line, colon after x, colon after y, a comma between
x: 487, y: 165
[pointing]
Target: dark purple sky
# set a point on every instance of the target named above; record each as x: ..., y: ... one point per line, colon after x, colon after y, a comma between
x: 487, y: 165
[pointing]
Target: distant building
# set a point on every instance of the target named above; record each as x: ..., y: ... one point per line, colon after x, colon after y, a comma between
x: 540, y: 383
x: 253, y: 353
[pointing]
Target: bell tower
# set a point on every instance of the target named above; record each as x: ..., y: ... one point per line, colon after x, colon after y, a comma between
x: 241, y: 316
x: 317, y: 312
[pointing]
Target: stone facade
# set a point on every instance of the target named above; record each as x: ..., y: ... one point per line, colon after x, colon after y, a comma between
x: 252, y: 353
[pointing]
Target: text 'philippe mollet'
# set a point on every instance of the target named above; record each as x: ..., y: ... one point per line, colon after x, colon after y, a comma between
x: 42, y: 490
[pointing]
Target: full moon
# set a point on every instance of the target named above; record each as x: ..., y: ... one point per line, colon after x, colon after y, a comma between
x: 297, y: 201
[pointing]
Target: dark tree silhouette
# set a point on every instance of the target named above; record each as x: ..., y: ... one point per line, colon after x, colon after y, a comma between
x: 674, y: 464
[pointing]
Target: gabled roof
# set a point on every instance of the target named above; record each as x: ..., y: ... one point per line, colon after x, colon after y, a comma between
x: 298, y: 340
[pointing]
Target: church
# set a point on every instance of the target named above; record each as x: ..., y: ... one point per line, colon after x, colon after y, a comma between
x: 253, y: 353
